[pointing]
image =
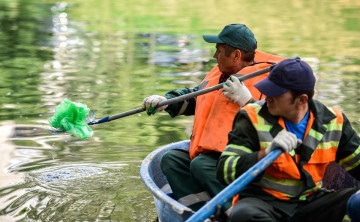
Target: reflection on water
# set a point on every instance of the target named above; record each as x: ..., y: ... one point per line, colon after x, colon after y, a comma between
x: 57, y: 187
x: 51, y: 189
x: 110, y: 55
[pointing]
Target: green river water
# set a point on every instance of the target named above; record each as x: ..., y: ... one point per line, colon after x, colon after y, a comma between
x: 110, y: 54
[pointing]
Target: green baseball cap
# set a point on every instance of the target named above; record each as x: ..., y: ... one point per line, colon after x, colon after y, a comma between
x: 236, y: 35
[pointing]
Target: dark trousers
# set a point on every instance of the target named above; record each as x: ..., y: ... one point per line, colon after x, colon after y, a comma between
x: 193, y: 182
x: 329, y: 207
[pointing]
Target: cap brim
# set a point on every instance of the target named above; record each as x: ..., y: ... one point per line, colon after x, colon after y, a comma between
x: 269, y: 88
x: 212, y: 39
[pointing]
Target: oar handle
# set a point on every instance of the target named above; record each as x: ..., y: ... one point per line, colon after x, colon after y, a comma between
x: 235, y: 187
x: 182, y: 97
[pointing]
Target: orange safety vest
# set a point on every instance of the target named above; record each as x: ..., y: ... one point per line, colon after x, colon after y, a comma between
x: 282, y: 179
x: 214, y: 112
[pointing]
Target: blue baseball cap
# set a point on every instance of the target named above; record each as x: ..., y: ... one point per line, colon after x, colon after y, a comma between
x: 236, y: 35
x: 289, y: 74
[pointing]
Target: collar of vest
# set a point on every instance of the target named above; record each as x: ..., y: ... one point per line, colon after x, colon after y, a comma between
x: 321, y: 112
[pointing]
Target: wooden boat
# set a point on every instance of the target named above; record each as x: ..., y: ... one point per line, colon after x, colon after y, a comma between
x: 169, y: 209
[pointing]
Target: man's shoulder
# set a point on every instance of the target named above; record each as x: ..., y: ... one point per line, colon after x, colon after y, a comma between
x: 324, y: 112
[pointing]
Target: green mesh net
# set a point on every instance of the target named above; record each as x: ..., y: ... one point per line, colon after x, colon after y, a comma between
x: 71, y: 117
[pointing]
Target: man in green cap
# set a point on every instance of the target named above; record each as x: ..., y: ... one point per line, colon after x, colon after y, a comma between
x: 192, y: 174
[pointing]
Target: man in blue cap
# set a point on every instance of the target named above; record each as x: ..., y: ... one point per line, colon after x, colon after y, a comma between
x: 192, y: 174
x: 290, y: 189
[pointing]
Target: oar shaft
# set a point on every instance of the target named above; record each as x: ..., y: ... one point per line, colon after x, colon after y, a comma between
x: 182, y: 97
x: 235, y: 187
x: 117, y: 116
x: 213, y: 88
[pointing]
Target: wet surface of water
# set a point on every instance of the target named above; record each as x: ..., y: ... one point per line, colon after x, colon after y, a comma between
x: 110, y: 55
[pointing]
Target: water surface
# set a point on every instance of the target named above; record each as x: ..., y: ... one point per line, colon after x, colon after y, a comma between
x: 110, y: 55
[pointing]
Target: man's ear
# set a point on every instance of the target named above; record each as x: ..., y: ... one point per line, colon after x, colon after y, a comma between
x: 237, y: 54
x: 303, y: 99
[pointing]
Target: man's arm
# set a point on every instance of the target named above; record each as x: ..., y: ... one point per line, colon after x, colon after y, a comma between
x: 241, y: 152
x: 186, y: 107
x: 348, y: 154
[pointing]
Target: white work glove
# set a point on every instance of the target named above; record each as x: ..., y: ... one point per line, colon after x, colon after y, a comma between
x: 150, y: 103
x: 237, y: 91
x: 284, y: 140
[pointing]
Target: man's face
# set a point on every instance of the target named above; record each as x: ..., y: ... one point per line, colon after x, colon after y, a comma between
x: 227, y: 64
x: 283, y: 105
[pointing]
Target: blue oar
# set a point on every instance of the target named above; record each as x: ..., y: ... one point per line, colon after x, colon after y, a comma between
x: 180, y: 98
x: 235, y: 187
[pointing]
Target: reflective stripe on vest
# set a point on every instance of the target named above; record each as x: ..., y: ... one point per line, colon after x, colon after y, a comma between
x: 215, y: 112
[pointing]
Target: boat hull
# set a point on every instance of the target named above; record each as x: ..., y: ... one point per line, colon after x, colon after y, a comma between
x: 155, y: 181
x: 169, y: 209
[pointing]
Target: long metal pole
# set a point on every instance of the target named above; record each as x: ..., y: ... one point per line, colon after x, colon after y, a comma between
x: 180, y: 98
